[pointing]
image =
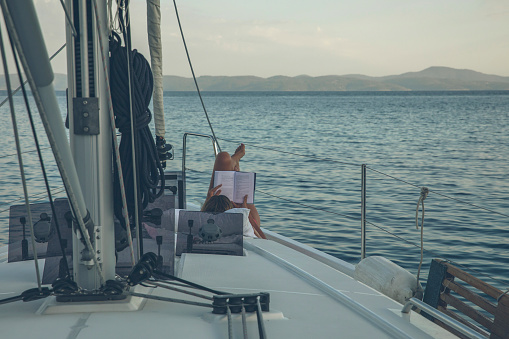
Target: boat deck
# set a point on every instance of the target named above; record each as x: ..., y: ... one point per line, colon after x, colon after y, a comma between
x: 307, y: 299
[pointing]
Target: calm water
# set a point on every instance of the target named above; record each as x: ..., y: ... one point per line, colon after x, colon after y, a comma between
x: 307, y: 149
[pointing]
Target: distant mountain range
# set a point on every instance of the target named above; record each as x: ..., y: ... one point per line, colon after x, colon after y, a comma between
x: 430, y: 79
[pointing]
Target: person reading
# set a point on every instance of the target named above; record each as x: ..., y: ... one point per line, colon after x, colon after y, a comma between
x: 216, y: 202
x: 236, y: 185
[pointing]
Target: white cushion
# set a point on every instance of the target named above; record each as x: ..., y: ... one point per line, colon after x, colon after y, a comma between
x: 247, y: 229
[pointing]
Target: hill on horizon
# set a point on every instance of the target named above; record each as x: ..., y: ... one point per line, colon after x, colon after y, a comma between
x: 430, y: 79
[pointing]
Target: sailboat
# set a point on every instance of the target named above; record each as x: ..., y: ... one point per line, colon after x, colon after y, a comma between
x: 275, y: 288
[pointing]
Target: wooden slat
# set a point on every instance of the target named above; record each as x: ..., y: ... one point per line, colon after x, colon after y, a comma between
x: 471, y: 296
x: 467, y: 310
x: 437, y: 274
x: 473, y: 281
x: 500, y: 328
x: 463, y: 321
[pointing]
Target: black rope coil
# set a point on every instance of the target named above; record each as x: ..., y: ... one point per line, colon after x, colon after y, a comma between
x: 148, y: 167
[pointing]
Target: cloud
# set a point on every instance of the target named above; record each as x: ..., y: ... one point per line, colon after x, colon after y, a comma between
x: 326, y: 37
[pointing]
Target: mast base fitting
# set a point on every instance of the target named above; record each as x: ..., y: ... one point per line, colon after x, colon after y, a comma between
x: 112, y: 290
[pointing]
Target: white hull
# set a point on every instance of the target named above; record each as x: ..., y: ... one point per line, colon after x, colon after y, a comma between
x: 308, y: 299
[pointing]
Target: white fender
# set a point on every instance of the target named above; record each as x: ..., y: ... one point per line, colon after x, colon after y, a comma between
x: 388, y: 278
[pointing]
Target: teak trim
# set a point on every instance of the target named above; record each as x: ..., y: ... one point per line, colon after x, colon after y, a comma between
x: 443, y: 278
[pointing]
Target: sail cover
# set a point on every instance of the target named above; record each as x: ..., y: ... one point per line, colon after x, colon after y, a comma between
x: 156, y: 59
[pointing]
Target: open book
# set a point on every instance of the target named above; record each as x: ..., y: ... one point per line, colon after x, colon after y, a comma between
x: 236, y: 185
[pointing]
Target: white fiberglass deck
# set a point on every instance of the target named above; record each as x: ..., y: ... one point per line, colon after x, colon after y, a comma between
x: 308, y: 300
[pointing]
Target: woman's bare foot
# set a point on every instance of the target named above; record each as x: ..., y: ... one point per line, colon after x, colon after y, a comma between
x: 239, y: 153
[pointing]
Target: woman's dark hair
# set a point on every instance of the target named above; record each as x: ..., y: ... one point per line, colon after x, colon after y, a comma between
x: 217, y: 204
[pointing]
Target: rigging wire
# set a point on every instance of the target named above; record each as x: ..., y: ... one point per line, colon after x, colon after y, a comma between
x: 161, y: 284
x: 75, y: 201
x: 125, y: 27
x: 41, y: 161
x: 13, y: 154
x: 392, y: 177
x: 442, y: 195
x: 29, y: 295
x: 372, y: 169
x: 308, y: 206
x: 68, y: 18
x: 173, y: 300
x: 467, y: 203
x: 26, y: 81
x: 292, y: 153
x: 20, y: 160
x: 34, y: 200
x: 194, y: 76
x: 437, y: 255
x: 187, y: 282
x: 11, y: 202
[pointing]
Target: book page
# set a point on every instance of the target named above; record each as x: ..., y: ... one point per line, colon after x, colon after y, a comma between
x: 244, y: 184
x: 226, y: 178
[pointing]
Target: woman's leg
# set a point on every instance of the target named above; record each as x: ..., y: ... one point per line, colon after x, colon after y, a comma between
x: 225, y: 162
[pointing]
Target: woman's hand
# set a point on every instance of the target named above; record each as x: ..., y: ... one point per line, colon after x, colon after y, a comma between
x: 214, y: 191
x: 244, y: 203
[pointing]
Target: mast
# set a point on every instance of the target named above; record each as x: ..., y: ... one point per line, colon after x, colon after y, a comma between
x: 90, y: 135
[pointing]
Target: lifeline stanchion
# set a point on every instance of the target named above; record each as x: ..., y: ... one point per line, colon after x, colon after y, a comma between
x: 363, y: 211
x: 422, y: 197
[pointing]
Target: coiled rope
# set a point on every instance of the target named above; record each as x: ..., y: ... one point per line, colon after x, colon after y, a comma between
x: 149, y: 168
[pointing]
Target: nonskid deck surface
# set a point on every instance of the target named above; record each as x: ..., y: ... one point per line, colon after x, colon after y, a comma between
x: 303, y: 304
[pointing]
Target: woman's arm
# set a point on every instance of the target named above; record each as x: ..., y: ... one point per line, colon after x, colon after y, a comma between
x: 254, y: 218
x: 214, y: 191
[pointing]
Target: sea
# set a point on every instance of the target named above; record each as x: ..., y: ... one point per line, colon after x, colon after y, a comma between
x: 308, y: 150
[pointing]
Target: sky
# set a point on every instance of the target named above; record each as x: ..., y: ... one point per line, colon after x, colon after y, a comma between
x: 320, y: 37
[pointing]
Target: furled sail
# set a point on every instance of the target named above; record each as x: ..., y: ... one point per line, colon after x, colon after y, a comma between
x: 156, y: 59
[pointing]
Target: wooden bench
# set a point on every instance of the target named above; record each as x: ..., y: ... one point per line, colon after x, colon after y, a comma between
x: 450, y: 287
